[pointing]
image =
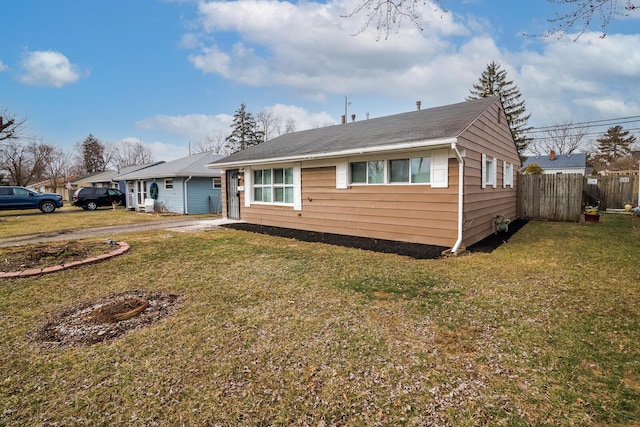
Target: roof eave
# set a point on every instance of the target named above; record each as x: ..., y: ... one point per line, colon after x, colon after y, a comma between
x: 432, y: 143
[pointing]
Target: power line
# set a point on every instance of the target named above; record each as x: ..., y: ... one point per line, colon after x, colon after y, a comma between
x: 549, y: 138
x: 585, y: 125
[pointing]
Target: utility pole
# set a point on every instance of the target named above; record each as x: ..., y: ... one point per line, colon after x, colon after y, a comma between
x: 346, y: 104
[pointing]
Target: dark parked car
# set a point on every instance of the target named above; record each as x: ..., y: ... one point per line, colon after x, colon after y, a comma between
x: 89, y: 198
x: 12, y: 197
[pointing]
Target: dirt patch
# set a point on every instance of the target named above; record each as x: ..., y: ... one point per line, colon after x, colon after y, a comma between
x: 41, y: 256
x: 413, y: 250
x: 92, y: 322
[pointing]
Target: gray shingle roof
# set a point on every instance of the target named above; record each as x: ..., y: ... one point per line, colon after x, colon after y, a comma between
x: 448, y: 121
x: 193, y: 165
x: 113, y: 175
x: 562, y: 161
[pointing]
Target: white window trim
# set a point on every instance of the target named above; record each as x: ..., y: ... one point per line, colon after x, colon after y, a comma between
x: 213, y: 183
x: 248, y: 187
x: 297, y: 187
x: 439, y: 175
x: 168, y: 183
x: 493, y: 172
x: 507, y: 175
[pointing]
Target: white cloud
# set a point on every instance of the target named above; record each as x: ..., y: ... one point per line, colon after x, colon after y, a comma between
x: 3, y: 67
x: 303, y: 119
x: 48, y: 68
x: 590, y: 78
x: 161, y: 151
x: 194, y: 127
x: 308, y: 46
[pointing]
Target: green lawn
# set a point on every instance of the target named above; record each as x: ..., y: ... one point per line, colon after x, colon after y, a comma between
x: 272, y: 331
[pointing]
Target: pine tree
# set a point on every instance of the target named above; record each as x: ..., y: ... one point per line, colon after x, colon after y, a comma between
x: 613, y: 147
x: 245, y: 131
x: 493, y: 82
x: 92, y: 155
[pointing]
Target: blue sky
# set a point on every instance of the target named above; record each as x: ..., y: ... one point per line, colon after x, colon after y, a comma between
x: 173, y: 72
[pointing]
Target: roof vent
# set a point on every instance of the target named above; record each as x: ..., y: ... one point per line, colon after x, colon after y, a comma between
x: 418, y: 105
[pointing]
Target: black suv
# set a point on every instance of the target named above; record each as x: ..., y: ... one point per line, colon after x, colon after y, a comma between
x: 12, y: 197
x: 90, y: 198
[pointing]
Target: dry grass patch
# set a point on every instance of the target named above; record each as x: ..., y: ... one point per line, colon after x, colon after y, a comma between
x: 19, y: 223
x: 272, y: 331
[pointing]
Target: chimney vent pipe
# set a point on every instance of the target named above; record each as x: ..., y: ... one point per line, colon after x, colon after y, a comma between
x: 418, y: 105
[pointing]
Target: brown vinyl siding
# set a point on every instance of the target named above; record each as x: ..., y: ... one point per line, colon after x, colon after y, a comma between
x: 409, y: 213
x: 482, y: 205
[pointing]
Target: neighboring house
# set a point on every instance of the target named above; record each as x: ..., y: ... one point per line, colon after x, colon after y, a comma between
x: 49, y: 186
x: 84, y: 181
x: 184, y: 186
x: 442, y: 176
x: 111, y: 178
x: 559, y: 163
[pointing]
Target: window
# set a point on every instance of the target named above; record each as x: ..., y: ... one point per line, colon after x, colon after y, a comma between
x: 488, y: 171
x: 415, y: 170
x: 367, y: 172
x: 507, y: 175
x: 273, y: 186
x: 21, y: 192
x: 168, y: 184
x: 217, y: 183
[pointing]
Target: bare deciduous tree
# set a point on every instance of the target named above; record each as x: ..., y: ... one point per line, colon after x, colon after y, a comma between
x: 290, y: 125
x: 24, y: 161
x: 214, y: 143
x: 130, y: 153
x: 10, y: 126
x: 268, y: 123
x: 563, y: 138
x: 581, y: 15
x: 57, y: 168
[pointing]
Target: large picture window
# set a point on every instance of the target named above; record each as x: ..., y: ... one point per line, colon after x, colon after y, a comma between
x: 273, y: 186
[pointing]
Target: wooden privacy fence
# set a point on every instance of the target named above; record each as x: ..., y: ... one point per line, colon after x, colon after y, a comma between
x: 562, y: 197
x: 552, y: 197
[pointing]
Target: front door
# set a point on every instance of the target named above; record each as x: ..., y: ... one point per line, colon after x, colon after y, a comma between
x: 233, y: 194
x: 142, y: 192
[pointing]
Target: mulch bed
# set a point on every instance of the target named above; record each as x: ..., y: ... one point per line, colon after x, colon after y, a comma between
x: 412, y: 250
x: 45, y: 255
x: 104, y: 319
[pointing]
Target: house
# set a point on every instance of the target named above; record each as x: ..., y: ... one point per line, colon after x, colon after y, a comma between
x: 441, y: 176
x: 559, y: 163
x: 111, y: 178
x: 184, y: 186
x: 61, y: 186
x: 83, y: 181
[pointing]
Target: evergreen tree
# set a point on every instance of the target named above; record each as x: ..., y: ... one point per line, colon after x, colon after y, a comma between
x: 245, y: 131
x: 92, y: 155
x: 493, y: 82
x: 613, y: 147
